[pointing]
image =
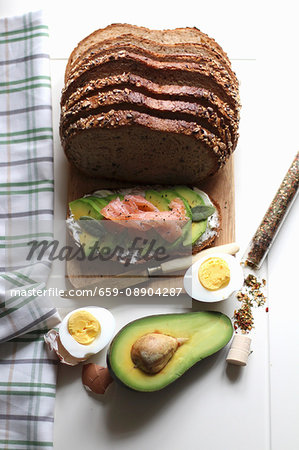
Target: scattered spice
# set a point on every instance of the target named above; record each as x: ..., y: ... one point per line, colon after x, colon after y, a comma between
x: 250, y: 296
x: 243, y: 318
x: 274, y: 217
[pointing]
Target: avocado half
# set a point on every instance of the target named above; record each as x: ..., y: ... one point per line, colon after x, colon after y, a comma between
x: 207, y: 332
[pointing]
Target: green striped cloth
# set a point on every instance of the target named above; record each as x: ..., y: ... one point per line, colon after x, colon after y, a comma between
x: 27, y: 369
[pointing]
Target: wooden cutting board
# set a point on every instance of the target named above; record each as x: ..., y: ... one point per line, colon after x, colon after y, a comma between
x: 219, y: 187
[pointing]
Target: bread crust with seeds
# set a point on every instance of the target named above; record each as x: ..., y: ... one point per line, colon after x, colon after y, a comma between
x: 128, y: 99
x: 200, y: 54
x: 185, y: 35
x: 113, y: 138
x: 191, y: 74
x: 160, y: 90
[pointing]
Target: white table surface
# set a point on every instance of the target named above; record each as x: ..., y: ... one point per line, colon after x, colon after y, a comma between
x: 213, y: 406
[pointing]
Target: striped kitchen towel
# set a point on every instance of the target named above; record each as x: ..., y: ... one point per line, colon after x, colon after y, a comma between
x: 27, y: 369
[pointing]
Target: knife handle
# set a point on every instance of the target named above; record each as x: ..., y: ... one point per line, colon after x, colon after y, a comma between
x: 178, y: 264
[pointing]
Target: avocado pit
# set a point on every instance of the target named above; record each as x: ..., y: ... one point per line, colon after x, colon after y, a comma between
x: 152, y: 351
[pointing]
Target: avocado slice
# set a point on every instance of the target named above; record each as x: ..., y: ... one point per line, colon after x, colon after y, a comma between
x: 99, y: 202
x: 206, y: 333
x: 109, y: 241
x: 88, y: 206
x: 193, y: 199
x: 84, y: 207
x: 157, y: 200
x: 80, y: 207
x: 184, y: 240
x: 170, y: 194
x: 87, y: 241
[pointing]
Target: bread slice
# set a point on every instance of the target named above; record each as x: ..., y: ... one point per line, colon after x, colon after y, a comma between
x: 183, y: 50
x: 176, y: 36
x: 177, y: 52
x: 191, y: 74
x: 134, y: 146
x: 160, y: 91
x: 171, y: 109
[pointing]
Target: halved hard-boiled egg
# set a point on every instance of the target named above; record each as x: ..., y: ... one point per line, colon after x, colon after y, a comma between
x: 213, y: 278
x: 82, y: 333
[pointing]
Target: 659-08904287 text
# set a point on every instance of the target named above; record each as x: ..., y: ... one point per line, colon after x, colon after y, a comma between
x: 100, y: 291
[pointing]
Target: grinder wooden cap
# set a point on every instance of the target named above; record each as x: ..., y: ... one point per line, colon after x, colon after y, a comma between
x: 239, y: 351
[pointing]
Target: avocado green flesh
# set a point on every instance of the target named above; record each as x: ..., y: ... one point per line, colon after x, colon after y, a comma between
x: 91, y: 206
x: 193, y: 199
x: 184, y: 240
x: 171, y: 194
x: 99, y: 202
x: 87, y: 241
x: 109, y: 242
x: 157, y: 200
x: 83, y: 207
x: 88, y: 206
x: 207, y: 332
x: 110, y: 197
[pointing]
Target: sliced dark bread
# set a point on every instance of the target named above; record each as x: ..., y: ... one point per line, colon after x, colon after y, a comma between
x: 156, y: 51
x: 170, y: 109
x: 161, y: 91
x: 138, y: 147
x: 191, y: 74
x: 151, y: 106
x: 176, y: 36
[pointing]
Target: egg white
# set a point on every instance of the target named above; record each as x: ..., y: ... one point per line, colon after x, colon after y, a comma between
x: 197, y: 291
x: 81, y: 351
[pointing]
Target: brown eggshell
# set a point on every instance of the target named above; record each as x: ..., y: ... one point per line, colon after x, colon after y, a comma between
x: 96, y: 378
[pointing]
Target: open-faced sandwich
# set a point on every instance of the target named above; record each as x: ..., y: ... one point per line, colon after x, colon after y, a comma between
x: 112, y: 223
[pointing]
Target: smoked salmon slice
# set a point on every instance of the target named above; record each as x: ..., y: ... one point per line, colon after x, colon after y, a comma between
x: 134, y: 211
x: 140, y: 202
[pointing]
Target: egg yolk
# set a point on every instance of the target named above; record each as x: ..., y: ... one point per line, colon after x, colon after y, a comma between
x: 214, y: 274
x: 83, y: 327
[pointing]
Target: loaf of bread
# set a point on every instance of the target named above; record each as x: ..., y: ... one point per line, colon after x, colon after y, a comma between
x: 149, y: 106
